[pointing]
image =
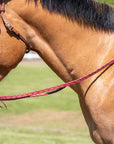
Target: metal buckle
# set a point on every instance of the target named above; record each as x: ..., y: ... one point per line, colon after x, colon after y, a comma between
x: 28, y: 47
x: 27, y: 50
x: 9, y: 26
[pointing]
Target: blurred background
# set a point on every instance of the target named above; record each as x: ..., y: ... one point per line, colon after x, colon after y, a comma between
x: 55, y: 119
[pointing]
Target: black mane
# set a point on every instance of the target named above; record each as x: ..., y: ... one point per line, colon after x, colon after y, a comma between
x: 88, y: 12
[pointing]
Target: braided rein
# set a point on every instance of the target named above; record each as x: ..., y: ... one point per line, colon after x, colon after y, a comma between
x: 54, y: 89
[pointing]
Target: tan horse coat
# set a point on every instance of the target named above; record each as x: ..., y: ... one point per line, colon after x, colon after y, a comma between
x: 71, y: 51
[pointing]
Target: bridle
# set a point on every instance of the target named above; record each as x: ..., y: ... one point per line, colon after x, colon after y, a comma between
x: 46, y: 91
x: 10, y: 27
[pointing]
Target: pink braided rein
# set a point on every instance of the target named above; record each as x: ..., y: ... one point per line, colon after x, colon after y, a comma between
x: 53, y: 89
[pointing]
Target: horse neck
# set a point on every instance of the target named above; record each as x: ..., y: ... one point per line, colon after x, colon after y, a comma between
x: 79, y: 50
x: 70, y: 51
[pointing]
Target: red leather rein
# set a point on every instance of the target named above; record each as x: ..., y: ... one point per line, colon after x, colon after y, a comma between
x: 54, y: 89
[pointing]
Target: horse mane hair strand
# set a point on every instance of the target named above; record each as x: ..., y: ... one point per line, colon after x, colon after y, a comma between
x: 90, y: 13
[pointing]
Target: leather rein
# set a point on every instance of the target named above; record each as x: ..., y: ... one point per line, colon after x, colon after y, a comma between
x: 57, y: 88
x: 10, y: 27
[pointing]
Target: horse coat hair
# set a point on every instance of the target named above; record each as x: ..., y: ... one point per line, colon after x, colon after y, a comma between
x: 99, y: 16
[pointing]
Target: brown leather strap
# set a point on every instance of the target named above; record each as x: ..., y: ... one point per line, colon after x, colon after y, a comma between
x: 10, y: 27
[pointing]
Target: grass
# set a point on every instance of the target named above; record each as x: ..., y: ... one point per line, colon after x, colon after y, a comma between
x: 27, y: 78
x: 55, y: 119
x: 34, y: 137
x: 107, y: 1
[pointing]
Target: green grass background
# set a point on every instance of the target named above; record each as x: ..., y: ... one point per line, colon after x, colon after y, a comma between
x: 107, y: 1
x: 29, y: 78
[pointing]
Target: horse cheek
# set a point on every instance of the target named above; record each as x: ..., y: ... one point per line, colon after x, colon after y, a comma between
x: 11, y: 53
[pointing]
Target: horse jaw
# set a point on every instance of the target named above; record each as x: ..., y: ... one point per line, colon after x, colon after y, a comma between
x: 11, y: 53
x: 9, y: 59
x: 12, y: 49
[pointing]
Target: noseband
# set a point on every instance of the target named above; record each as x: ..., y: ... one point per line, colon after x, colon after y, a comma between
x: 10, y: 27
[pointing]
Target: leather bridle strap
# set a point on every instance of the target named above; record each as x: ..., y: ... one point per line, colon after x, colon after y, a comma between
x: 10, y: 27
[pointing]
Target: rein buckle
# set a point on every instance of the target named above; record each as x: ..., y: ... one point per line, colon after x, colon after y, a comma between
x: 9, y: 26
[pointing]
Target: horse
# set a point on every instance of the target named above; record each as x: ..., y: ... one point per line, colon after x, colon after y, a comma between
x: 71, y: 48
